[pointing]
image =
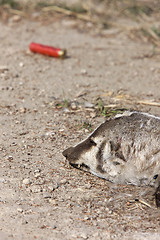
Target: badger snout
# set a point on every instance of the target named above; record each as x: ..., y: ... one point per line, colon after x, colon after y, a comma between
x: 70, y: 154
x: 75, y: 154
x: 66, y: 153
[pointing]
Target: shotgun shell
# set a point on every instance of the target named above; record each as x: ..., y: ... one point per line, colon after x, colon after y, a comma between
x: 47, y: 50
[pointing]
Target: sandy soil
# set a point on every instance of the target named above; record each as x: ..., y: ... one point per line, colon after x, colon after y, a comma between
x: 41, y: 196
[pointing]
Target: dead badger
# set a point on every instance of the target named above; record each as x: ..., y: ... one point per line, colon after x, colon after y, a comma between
x: 124, y: 149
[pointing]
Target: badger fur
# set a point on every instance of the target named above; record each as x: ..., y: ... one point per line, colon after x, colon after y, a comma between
x: 124, y: 149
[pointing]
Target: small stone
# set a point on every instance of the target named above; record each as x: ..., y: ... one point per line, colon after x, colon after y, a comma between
x: 3, y: 68
x: 36, y: 175
x: 88, y: 186
x: 63, y: 181
x: 66, y: 110
x: 83, y: 71
x: 29, y: 211
x: 17, y: 76
x: 53, y: 201
x: 37, y: 170
x: 21, y: 64
x: 107, y: 209
x: 68, y: 23
x: 20, y: 210
x: 86, y: 130
x: 24, y: 222
x: 46, y: 195
x: 54, y: 227
x: 36, y: 189
x: 61, y: 130
x: 50, y: 134
x: 26, y: 181
x: 10, y: 158
x: 96, y: 235
x: 36, y: 15
x: 2, y: 180
x: 16, y: 18
x: 93, y: 114
x: 86, y: 218
x: 22, y: 110
x: 83, y: 235
x: 88, y: 105
x: 52, y: 187
x: 73, y: 106
x: 152, y: 69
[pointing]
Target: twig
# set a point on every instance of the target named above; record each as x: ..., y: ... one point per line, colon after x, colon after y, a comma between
x: 144, y: 203
x: 128, y: 98
x: 17, y: 12
x: 67, y: 12
x: 149, y: 102
x: 140, y: 201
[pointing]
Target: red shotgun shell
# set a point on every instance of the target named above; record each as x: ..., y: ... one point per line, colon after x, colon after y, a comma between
x: 47, y: 50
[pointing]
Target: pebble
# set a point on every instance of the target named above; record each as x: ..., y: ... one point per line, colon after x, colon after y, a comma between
x: 84, y: 235
x: 36, y: 189
x: 2, y: 180
x: 46, y: 195
x: 88, y: 186
x: 86, y: 130
x: 107, y: 209
x: 20, y: 210
x: 88, y: 105
x: 50, y: 134
x: 10, y: 158
x: 96, y: 235
x: 80, y: 236
x: 22, y: 110
x: 93, y: 114
x: 68, y: 23
x: 26, y: 181
x: 66, y: 110
x: 54, y: 226
x: 21, y: 64
x: 36, y: 175
x: 53, y: 201
x: 35, y: 15
x: 63, y: 181
x: 24, y: 222
x: 52, y: 187
x: 73, y: 106
x: 37, y: 170
x: 29, y: 211
x: 16, y: 18
x: 3, y: 68
x: 83, y: 71
x: 61, y: 130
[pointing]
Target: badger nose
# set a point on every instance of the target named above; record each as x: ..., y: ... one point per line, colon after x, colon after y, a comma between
x: 67, y: 152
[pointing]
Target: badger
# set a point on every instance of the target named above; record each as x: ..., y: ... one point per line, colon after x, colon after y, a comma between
x: 124, y: 149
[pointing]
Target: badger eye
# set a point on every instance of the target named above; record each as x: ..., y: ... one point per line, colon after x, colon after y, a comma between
x: 155, y: 176
x: 92, y: 141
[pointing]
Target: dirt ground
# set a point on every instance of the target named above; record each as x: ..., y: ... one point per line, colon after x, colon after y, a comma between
x: 46, y: 105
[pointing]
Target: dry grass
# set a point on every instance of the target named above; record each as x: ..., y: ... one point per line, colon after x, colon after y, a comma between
x: 143, y: 15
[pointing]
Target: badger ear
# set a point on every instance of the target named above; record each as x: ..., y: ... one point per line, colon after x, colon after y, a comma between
x: 91, y: 139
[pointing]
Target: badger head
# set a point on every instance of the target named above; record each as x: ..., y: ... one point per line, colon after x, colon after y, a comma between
x: 95, y: 154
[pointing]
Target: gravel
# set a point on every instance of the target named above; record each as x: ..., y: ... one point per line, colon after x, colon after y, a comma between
x: 41, y: 196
